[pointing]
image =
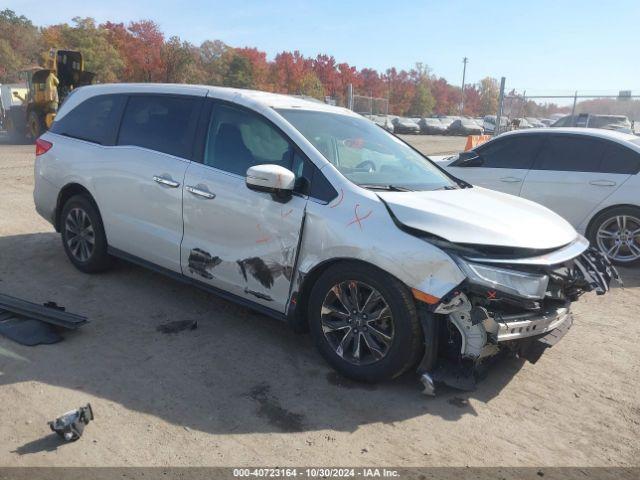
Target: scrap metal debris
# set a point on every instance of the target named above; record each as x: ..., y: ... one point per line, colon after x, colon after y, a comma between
x: 177, y: 326
x: 70, y: 425
x: 31, y: 324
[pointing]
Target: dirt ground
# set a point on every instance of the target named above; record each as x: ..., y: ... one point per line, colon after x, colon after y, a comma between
x: 242, y: 389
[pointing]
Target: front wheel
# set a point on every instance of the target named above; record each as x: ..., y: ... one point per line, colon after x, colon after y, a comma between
x: 616, y: 233
x: 36, y: 125
x: 364, y: 322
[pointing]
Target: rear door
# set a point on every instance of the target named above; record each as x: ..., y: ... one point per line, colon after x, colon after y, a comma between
x: 236, y: 239
x: 140, y: 187
x: 504, y: 163
x: 574, y: 173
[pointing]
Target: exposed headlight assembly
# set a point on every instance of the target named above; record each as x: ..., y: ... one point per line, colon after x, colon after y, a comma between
x: 514, y: 282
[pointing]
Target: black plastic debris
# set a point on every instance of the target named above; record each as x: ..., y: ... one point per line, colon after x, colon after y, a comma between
x: 26, y: 331
x: 31, y: 324
x: 70, y: 425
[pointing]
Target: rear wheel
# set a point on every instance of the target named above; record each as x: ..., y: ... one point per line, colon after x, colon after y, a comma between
x: 616, y: 233
x: 83, y: 235
x: 12, y: 132
x: 364, y: 322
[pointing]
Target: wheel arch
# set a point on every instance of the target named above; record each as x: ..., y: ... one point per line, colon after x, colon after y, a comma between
x: 591, y: 223
x: 299, y: 319
x: 66, y: 192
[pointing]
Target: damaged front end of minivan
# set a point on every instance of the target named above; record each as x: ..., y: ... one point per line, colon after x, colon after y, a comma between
x: 511, y: 302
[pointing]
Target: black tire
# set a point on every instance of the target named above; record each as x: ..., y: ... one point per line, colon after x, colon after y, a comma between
x: 36, y: 125
x: 407, y: 340
x: 609, y: 216
x: 13, y: 136
x: 98, y: 259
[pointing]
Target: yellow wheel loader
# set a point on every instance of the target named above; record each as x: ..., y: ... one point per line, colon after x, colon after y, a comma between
x: 47, y: 89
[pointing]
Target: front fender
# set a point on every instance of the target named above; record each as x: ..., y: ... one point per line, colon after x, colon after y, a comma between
x: 356, y: 226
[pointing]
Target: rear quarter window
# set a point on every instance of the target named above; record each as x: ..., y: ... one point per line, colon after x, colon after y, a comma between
x: 619, y: 159
x: 94, y: 120
x: 164, y: 123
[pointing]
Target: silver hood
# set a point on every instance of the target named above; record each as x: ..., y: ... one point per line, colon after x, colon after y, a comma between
x: 482, y: 217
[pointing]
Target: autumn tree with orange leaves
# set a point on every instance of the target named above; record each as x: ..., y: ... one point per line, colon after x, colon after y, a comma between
x: 139, y: 52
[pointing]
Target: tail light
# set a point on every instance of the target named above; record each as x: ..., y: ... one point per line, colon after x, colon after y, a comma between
x: 42, y: 146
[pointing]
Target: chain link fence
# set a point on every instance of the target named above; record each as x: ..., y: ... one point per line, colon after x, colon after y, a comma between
x: 611, y: 110
x: 370, y: 105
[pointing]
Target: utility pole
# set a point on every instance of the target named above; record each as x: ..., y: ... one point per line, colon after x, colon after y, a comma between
x: 464, y: 72
x: 496, y: 129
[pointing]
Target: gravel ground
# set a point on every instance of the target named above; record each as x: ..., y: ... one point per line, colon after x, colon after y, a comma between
x: 242, y: 389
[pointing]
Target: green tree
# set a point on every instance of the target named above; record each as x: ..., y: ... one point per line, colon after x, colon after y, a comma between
x: 423, y: 101
x: 213, y: 61
x: 310, y: 85
x: 179, y: 62
x: 489, y: 92
x: 20, y: 44
x: 100, y: 57
x: 240, y: 72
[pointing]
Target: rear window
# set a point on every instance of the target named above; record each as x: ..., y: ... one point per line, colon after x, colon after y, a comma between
x: 94, y: 120
x: 163, y: 123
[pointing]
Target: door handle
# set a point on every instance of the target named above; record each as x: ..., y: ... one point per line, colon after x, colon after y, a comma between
x: 165, y: 181
x: 510, y: 179
x: 200, y: 193
x: 603, y: 183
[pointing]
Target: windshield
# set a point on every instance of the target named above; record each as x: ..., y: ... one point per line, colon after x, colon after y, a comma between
x: 366, y: 154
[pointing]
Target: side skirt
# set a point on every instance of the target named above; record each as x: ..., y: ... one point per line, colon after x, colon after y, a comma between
x: 196, y: 283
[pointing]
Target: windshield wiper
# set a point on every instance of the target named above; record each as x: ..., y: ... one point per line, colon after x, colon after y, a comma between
x: 390, y: 188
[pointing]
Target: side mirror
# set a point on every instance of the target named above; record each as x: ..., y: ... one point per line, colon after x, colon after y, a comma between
x: 273, y: 179
x: 468, y: 159
x: 475, y: 161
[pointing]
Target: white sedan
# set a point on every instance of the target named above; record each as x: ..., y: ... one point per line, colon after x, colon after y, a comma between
x: 588, y: 176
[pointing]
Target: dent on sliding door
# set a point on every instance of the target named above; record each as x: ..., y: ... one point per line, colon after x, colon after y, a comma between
x: 237, y: 239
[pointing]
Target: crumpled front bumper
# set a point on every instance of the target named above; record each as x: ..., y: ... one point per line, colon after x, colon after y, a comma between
x: 516, y: 327
x: 486, y: 325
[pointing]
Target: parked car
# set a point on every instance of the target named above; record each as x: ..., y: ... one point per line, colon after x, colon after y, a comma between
x: 588, y: 176
x: 446, y: 121
x: 489, y: 124
x: 405, y: 125
x: 383, y: 121
x: 464, y: 126
x: 619, y: 123
x: 546, y: 122
x: 520, y: 123
x: 311, y: 214
x: 432, y: 126
x: 534, y: 122
x: 12, y: 97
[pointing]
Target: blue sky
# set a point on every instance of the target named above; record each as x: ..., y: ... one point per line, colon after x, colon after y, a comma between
x: 541, y: 46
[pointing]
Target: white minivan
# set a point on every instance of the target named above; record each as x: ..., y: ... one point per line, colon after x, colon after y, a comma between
x: 314, y: 215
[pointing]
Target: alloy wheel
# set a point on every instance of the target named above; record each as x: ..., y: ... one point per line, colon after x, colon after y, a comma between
x: 79, y: 234
x: 357, y: 322
x: 619, y: 238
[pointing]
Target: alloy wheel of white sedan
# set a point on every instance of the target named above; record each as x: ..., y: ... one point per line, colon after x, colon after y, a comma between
x: 619, y: 238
